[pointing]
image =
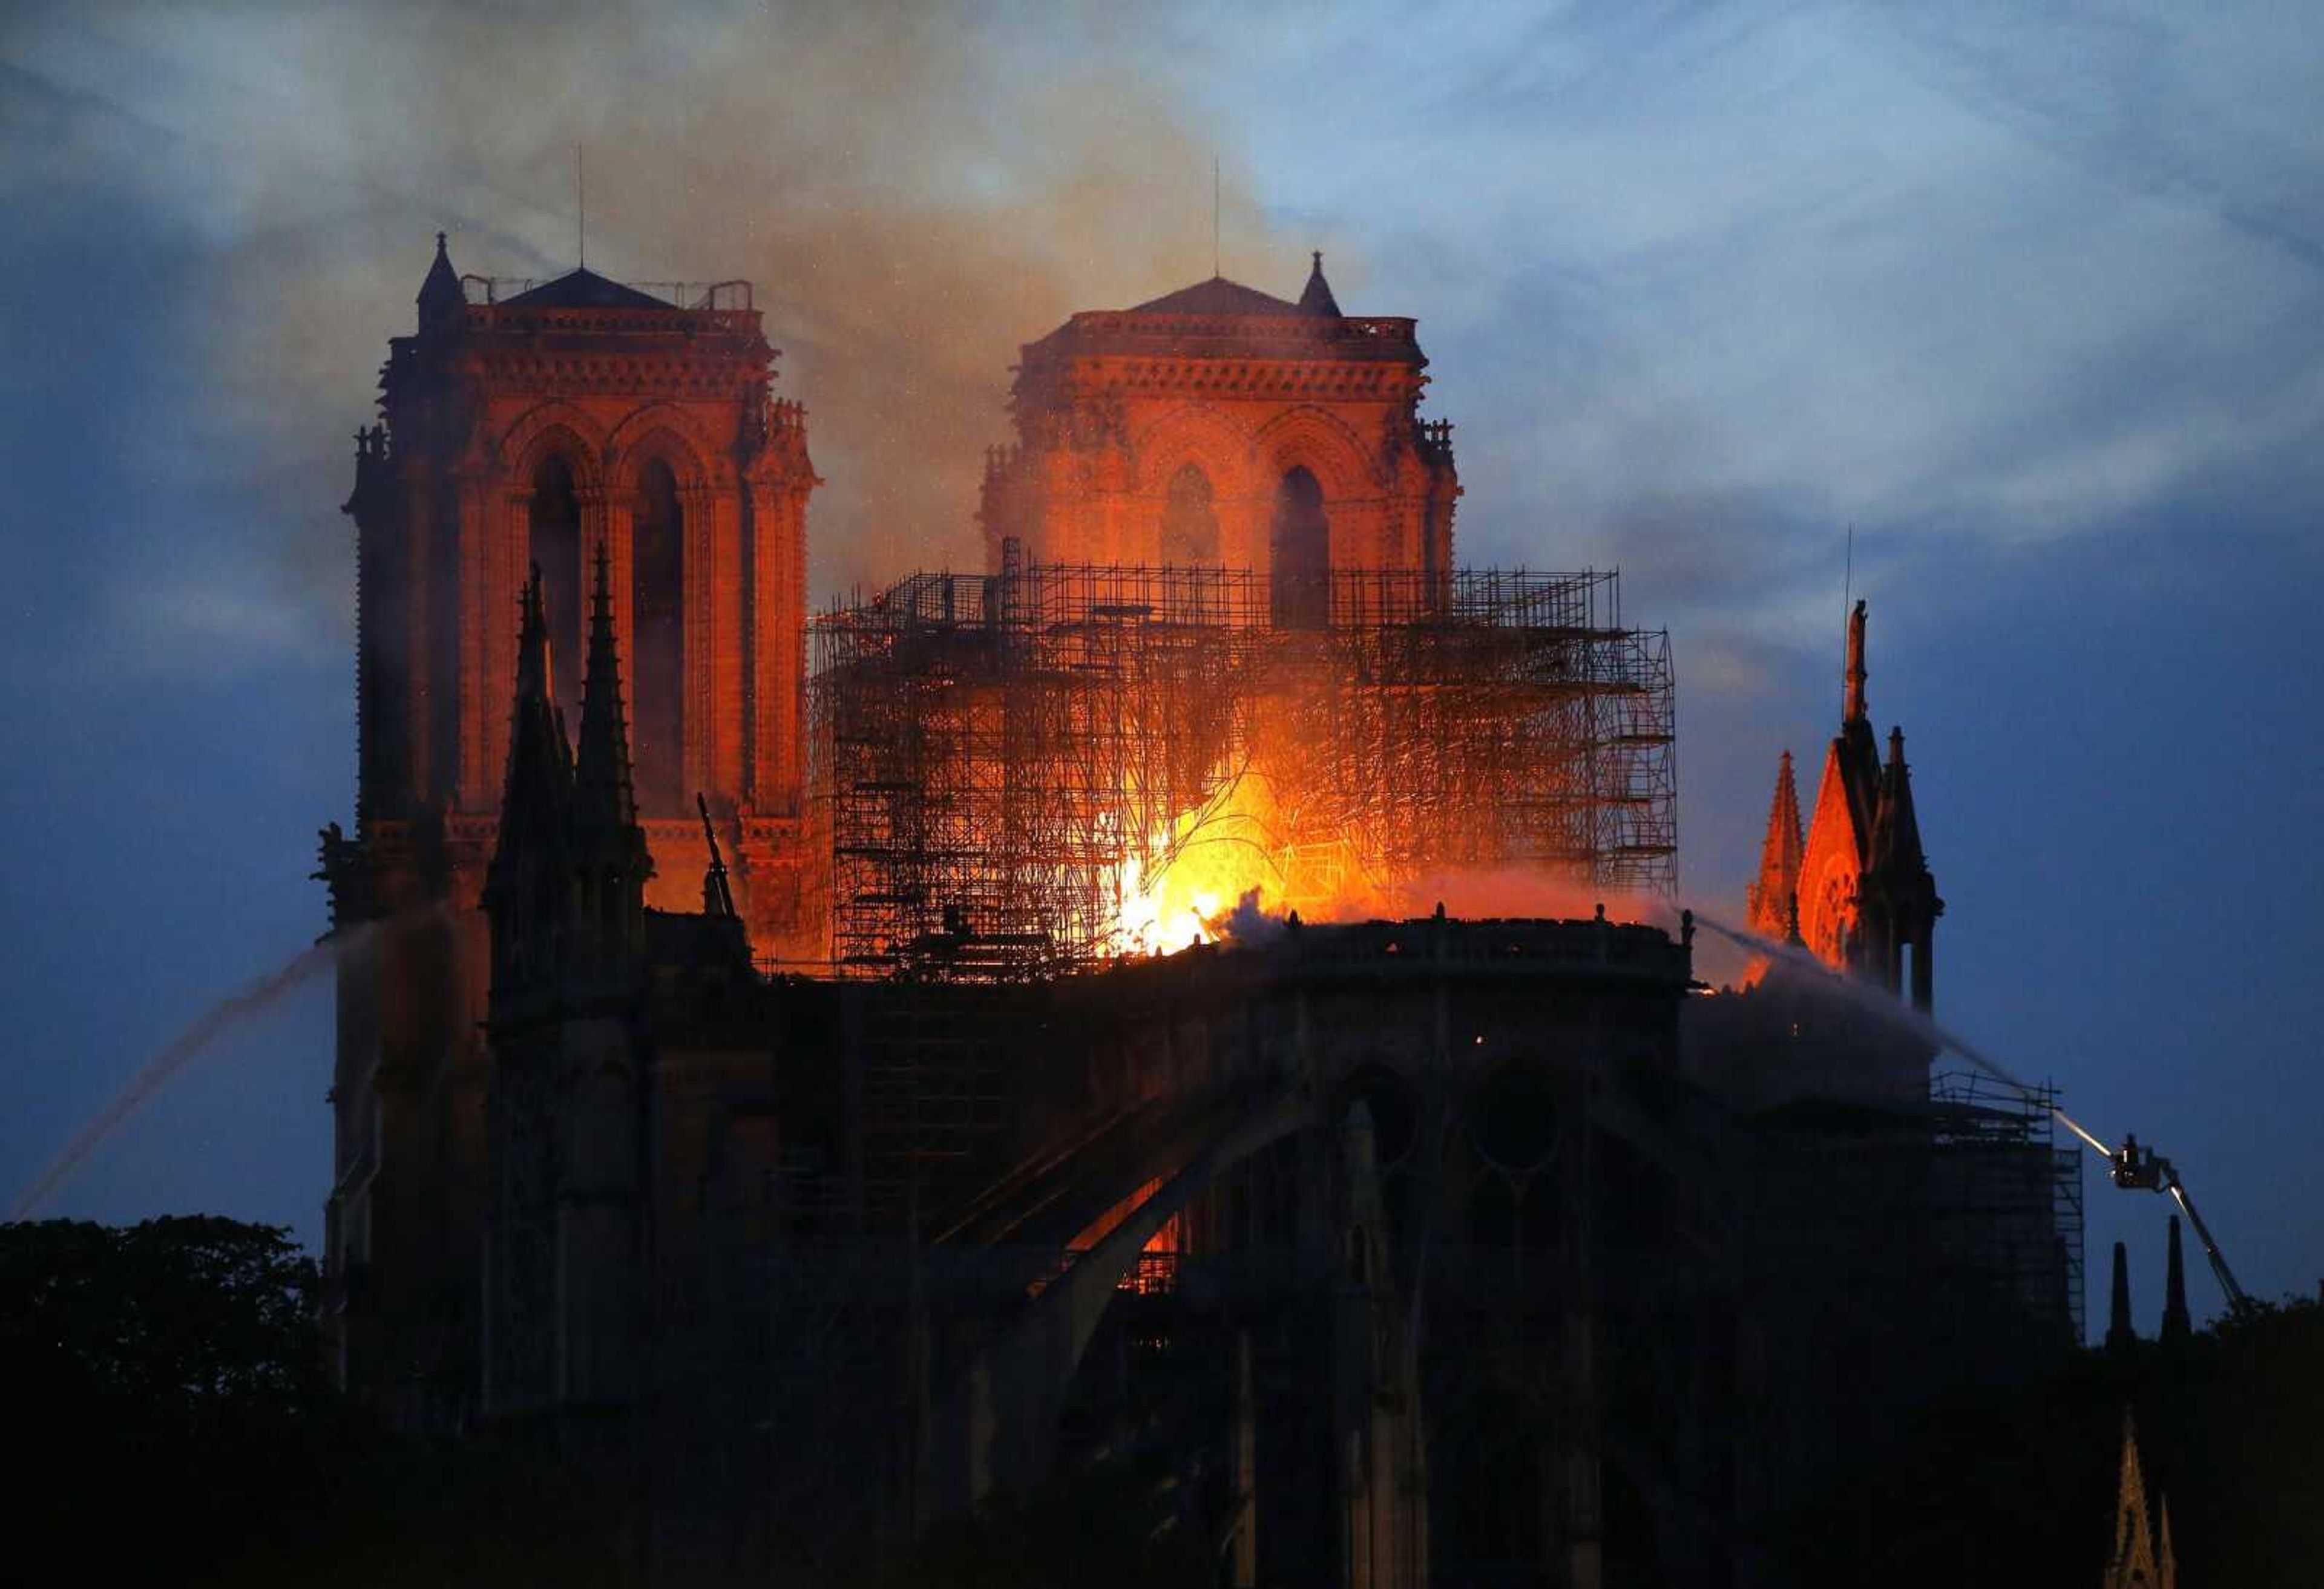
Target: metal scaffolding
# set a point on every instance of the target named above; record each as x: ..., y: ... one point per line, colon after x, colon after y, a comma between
x: 2008, y: 1196
x: 994, y: 754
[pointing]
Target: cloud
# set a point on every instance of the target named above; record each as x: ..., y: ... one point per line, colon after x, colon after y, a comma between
x: 914, y: 195
x: 1959, y: 272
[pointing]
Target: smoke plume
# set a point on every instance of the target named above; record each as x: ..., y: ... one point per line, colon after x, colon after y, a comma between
x: 914, y: 192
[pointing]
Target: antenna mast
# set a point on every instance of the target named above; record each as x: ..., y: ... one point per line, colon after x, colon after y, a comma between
x: 1215, y: 272
x: 581, y: 197
x: 1848, y: 582
x: 1847, y: 579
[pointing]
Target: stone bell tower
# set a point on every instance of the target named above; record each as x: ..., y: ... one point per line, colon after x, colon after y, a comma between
x: 1220, y: 426
x: 532, y: 426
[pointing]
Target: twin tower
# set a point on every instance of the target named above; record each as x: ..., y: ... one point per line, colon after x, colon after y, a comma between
x: 542, y: 428
x: 536, y: 425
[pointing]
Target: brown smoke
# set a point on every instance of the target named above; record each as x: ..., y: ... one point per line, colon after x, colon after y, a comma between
x: 914, y: 193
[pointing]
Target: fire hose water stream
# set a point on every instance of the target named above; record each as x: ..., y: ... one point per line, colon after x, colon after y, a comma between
x: 247, y: 1003
x: 1887, y: 1009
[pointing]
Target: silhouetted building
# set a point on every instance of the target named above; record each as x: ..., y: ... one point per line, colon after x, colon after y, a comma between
x: 1387, y: 1251
x: 523, y: 425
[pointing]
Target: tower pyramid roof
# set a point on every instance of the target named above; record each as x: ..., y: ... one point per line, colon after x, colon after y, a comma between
x: 1317, y: 298
x: 1217, y: 296
x: 440, y: 295
x: 585, y: 289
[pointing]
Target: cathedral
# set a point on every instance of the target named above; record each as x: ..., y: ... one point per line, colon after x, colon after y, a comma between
x: 738, y: 1093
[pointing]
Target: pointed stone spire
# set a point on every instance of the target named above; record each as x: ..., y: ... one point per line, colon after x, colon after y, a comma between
x: 2178, y: 1324
x: 532, y: 659
x: 610, y: 848
x: 440, y: 297
x: 1317, y: 298
x: 602, y: 760
x: 2120, y: 1336
x: 1896, y: 826
x: 537, y: 741
x: 1773, y: 901
x: 2133, y: 1564
x: 1851, y: 705
x: 527, y: 884
x: 2169, y: 1564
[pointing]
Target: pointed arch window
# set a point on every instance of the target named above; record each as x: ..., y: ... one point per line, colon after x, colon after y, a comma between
x: 1299, y: 553
x: 554, y: 546
x: 657, y: 618
x: 1190, y: 524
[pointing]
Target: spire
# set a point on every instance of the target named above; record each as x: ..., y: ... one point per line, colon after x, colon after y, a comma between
x: 440, y: 297
x: 525, y: 885
x: 602, y: 762
x: 2178, y: 1326
x: 1317, y: 298
x: 537, y: 744
x: 2120, y: 1336
x: 1852, y: 706
x: 2169, y: 1576
x: 610, y: 846
x: 2133, y: 1563
x: 533, y: 664
x: 1896, y: 826
x: 1773, y: 895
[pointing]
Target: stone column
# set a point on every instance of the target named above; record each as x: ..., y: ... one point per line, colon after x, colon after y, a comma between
x: 727, y: 665
x: 506, y: 558
x: 481, y: 502
x: 422, y: 591
x: 597, y: 503
x: 620, y: 554
x: 777, y: 649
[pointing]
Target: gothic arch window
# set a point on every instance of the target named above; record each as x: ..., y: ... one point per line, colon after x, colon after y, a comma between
x: 554, y: 546
x: 1190, y: 527
x: 1299, y: 553
x: 657, y: 643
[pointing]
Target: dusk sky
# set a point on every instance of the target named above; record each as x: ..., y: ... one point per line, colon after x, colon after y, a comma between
x: 2029, y: 296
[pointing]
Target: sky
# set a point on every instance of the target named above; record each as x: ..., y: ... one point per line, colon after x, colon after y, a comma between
x: 2026, y: 299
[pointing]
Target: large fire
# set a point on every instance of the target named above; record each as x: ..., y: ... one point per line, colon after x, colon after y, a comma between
x: 1243, y: 855
x: 1256, y: 851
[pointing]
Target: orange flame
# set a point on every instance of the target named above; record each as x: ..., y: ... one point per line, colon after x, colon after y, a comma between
x: 1246, y: 848
x: 1255, y: 847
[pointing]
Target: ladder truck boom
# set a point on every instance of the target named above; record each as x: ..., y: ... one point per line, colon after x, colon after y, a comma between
x: 2133, y: 1168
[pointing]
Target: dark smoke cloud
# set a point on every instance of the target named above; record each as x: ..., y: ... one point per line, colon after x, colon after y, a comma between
x: 914, y: 191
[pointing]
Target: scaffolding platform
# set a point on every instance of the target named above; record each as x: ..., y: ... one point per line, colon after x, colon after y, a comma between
x: 996, y: 756
x: 2008, y: 1194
